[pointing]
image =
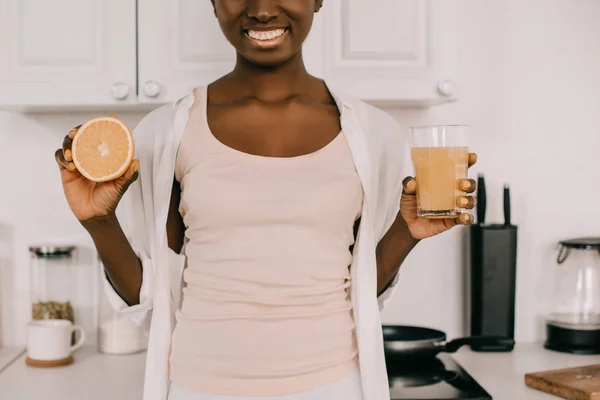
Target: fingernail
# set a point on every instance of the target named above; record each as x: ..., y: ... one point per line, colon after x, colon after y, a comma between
x: 72, y: 133
x: 113, y: 115
x: 466, y: 185
x: 136, y: 166
x: 411, y: 185
x: 463, y: 201
x: 72, y: 166
x: 68, y: 155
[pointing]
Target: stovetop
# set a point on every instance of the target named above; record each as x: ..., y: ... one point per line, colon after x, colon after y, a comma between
x: 440, y: 378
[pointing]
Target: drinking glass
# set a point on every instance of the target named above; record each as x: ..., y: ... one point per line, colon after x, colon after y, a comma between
x: 440, y: 156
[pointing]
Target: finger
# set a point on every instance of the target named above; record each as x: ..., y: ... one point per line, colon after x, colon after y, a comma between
x: 450, y: 222
x: 468, y: 202
x: 60, y: 159
x: 464, y: 219
x: 62, y: 163
x: 73, y: 131
x: 472, y: 159
x: 409, y: 185
x: 130, y: 176
x: 467, y: 185
x: 132, y: 171
x: 66, y: 147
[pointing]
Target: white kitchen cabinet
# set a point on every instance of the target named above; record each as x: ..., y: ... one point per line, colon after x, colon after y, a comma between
x: 83, y: 52
x: 384, y: 51
x: 180, y: 46
x: 67, y: 52
x: 391, y: 51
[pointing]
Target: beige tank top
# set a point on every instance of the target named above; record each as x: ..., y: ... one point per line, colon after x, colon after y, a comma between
x: 266, y: 308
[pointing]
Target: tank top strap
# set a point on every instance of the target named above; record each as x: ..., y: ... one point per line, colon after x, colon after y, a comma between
x: 201, y: 97
x: 195, y: 138
x: 199, y: 117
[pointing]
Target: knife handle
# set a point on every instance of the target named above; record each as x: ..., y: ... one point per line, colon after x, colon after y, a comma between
x: 481, y: 200
x: 506, y: 205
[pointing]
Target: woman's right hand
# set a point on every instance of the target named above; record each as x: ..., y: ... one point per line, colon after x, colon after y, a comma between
x: 86, y: 198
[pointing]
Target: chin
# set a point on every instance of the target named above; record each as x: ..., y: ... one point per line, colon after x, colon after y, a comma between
x: 268, y: 60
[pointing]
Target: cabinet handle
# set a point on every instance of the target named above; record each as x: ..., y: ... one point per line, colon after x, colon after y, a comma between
x: 446, y: 88
x: 151, y: 89
x: 120, y: 91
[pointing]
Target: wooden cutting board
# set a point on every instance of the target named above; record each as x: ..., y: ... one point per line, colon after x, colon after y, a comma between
x: 580, y: 383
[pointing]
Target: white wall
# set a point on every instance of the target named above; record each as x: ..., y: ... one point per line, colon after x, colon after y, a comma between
x: 33, y: 210
x: 530, y: 88
x: 530, y: 84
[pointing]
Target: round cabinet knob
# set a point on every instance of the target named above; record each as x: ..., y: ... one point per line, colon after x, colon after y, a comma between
x: 120, y: 91
x: 151, y: 89
x: 447, y: 88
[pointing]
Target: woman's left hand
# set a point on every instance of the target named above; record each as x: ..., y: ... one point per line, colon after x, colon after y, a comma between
x: 422, y: 228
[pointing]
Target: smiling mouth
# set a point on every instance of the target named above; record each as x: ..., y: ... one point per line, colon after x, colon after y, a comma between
x: 267, y: 38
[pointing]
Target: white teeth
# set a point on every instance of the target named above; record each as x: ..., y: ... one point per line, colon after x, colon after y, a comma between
x: 266, y: 35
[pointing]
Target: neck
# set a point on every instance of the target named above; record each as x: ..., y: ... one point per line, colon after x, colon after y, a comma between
x: 271, y: 83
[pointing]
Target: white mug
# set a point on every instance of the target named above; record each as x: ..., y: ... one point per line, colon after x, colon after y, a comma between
x: 50, y: 339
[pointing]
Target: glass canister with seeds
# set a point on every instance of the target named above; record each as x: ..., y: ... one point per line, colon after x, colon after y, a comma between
x: 52, y: 281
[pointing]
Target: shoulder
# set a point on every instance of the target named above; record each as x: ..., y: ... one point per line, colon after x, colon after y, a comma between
x: 385, y: 140
x: 381, y: 123
x: 374, y: 122
x: 381, y: 131
x: 156, y: 120
x: 158, y: 127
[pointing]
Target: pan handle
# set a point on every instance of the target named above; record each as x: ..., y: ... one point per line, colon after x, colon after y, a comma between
x: 491, y: 341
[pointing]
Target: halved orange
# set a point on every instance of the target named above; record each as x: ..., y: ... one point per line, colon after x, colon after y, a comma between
x: 103, y: 149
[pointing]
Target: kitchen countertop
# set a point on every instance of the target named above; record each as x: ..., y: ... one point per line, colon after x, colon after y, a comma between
x: 502, y: 374
x: 96, y: 376
x: 8, y: 355
x: 93, y: 376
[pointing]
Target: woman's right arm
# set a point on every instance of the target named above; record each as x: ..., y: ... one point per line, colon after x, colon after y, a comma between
x: 94, y: 205
x: 122, y: 266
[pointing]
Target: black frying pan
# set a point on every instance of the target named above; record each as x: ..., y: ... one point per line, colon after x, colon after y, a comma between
x: 412, y: 341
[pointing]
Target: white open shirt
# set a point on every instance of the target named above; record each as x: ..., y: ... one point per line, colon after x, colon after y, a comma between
x: 380, y: 151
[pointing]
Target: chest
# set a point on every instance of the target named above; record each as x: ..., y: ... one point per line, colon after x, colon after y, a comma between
x: 283, y: 129
x: 224, y: 188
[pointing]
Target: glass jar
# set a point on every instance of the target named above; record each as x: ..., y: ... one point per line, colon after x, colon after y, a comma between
x: 52, y: 279
x: 573, y: 324
x: 117, y: 334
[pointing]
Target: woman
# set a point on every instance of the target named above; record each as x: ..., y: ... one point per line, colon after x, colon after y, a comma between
x: 285, y: 201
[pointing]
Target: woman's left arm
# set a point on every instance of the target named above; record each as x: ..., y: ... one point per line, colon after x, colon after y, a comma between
x: 392, y: 249
x: 408, y: 229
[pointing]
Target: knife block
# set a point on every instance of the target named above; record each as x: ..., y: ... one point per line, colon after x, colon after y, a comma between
x: 493, y: 251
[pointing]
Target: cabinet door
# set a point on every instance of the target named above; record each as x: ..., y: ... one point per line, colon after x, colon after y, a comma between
x: 180, y: 46
x: 391, y: 51
x: 67, y: 53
